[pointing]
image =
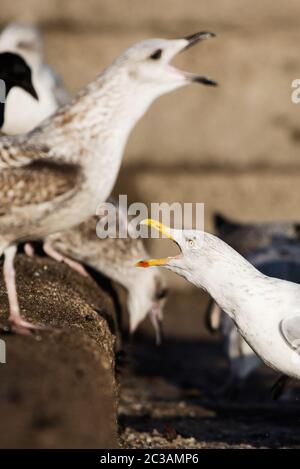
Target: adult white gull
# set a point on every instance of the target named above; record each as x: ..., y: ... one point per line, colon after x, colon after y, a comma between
x: 274, y: 249
x: 265, y: 310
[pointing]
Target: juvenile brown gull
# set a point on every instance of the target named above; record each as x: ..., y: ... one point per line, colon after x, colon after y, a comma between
x: 113, y: 257
x: 55, y: 177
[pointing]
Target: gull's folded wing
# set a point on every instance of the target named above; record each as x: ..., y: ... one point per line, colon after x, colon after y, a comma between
x: 16, y: 152
x: 31, y: 174
x: 290, y: 329
x: 36, y: 183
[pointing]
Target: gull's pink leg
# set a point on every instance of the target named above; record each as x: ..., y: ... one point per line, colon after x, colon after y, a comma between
x: 60, y: 258
x: 29, y: 250
x: 18, y: 324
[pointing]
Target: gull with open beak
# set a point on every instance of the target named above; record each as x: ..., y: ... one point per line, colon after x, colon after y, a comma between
x: 54, y: 177
x: 265, y: 310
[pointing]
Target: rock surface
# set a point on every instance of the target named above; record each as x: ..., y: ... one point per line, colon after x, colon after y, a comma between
x: 57, y: 388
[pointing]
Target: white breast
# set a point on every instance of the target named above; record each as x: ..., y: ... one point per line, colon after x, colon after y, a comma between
x: 23, y: 112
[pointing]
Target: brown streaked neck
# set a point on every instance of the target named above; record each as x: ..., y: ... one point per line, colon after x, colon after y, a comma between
x: 101, y: 116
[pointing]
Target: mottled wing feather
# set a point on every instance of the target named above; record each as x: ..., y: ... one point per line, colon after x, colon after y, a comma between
x: 290, y: 329
x: 39, y: 182
x: 123, y: 223
x: 82, y: 243
x: 15, y: 153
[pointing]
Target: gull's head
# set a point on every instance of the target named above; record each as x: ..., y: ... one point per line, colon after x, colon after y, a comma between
x: 23, y: 39
x: 190, y: 244
x: 148, y: 65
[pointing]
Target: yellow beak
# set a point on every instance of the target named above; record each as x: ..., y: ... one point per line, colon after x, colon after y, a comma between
x: 164, y: 230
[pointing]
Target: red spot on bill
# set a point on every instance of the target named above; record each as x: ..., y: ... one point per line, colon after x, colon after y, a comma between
x: 143, y: 264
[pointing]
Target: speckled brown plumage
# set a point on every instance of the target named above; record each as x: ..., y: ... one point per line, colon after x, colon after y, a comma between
x: 15, y: 152
x: 90, y: 133
x: 40, y: 182
x: 115, y: 258
x: 81, y: 243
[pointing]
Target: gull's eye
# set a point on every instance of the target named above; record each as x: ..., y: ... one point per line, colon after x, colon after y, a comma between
x: 191, y: 243
x: 156, y: 55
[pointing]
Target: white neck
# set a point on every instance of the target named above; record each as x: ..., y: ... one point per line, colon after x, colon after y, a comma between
x: 95, y: 126
x: 101, y: 116
x: 227, y: 276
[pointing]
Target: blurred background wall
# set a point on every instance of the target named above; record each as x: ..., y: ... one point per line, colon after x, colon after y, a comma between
x: 235, y: 148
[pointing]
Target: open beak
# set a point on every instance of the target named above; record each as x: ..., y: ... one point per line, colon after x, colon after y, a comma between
x: 197, y: 37
x: 165, y: 231
x: 189, y: 42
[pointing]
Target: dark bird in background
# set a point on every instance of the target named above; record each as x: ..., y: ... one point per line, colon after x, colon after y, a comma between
x: 22, y: 112
x: 14, y: 71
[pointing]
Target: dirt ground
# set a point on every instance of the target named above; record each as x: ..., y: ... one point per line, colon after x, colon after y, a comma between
x: 169, y: 398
